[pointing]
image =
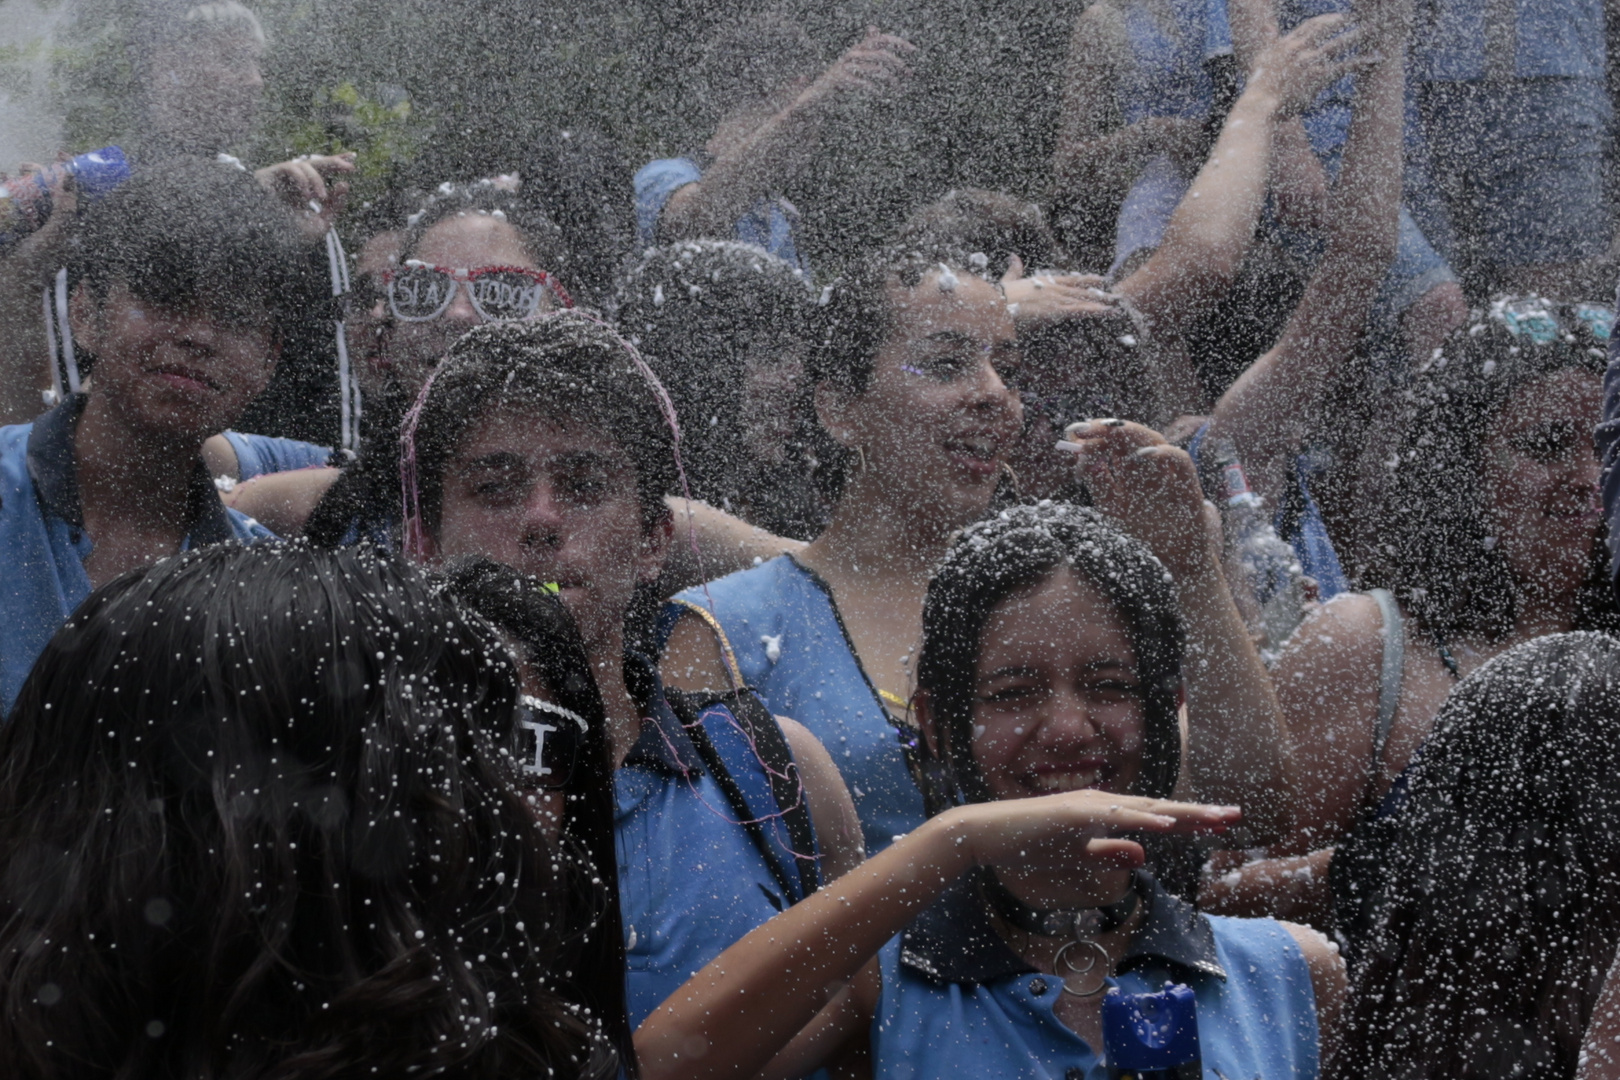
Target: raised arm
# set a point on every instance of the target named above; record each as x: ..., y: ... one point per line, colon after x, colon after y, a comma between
x: 1209, y: 235
x: 1271, y: 406
x: 25, y: 271
x: 710, y: 543
x: 750, y: 163
x: 1237, y: 746
x: 732, y: 1017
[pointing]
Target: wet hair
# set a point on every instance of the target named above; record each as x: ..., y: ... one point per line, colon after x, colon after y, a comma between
x: 190, y: 230
x: 259, y: 818
x: 520, y: 607
x: 566, y: 366
x: 852, y: 320
x: 541, y: 237
x: 1014, y: 550
x: 991, y: 222
x: 697, y: 310
x: 1499, y: 911
x: 1435, y: 551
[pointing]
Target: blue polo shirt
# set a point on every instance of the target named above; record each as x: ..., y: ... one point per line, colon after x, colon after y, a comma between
x: 43, y: 544
x: 958, y: 1002
x: 691, y: 880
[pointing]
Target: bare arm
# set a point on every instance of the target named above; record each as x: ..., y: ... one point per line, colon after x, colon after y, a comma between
x: 1329, y: 984
x: 710, y: 543
x: 282, y: 502
x: 1273, y: 403
x: 1237, y: 748
x: 735, y: 1015
x: 1327, y: 684
x: 1209, y: 235
x: 1600, y: 1048
x: 749, y: 164
x: 832, y: 811
x: 1298, y: 181
x: 25, y: 272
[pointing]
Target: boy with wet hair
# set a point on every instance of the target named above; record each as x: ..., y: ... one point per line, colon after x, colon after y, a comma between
x: 548, y: 446
x: 185, y: 280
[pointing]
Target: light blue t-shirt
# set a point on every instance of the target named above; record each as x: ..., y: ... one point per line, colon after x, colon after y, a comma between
x: 768, y: 225
x: 957, y: 1002
x: 43, y: 544
x: 791, y: 647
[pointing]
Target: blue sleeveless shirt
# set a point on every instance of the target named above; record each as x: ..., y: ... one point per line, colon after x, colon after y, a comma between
x: 791, y: 647
x: 691, y: 881
x: 958, y: 1002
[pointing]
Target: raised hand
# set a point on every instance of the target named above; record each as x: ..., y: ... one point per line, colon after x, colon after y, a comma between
x: 303, y: 184
x: 1298, y: 66
x: 1049, y: 298
x: 1061, y: 832
x: 1149, y: 486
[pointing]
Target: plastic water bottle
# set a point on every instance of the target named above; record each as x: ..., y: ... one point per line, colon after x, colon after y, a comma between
x: 1266, y: 563
x: 1152, y: 1036
x: 25, y: 203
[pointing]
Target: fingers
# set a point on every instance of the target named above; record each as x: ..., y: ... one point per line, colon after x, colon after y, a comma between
x: 327, y: 164
x: 1316, y: 30
x: 1015, y: 269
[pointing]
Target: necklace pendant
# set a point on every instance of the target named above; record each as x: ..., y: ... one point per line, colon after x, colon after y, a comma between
x: 1083, y: 966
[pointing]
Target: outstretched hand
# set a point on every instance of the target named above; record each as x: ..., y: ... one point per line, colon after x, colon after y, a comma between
x: 304, y: 185
x: 1302, y: 63
x: 1062, y: 832
x: 1149, y: 486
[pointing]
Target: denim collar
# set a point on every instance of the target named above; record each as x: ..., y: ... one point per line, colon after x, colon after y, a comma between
x: 663, y: 745
x: 954, y: 941
x: 55, y: 472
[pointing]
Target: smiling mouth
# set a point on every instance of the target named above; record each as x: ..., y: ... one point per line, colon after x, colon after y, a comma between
x: 1052, y: 781
x: 982, y: 450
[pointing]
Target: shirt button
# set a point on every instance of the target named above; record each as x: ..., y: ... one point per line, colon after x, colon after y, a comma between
x: 1037, y: 987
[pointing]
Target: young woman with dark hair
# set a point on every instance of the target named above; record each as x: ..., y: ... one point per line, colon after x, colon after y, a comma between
x: 1049, y: 679
x: 472, y: 254
x: 915, y: 426
x: 1489, y: 535
x: 1498, y: 915
x: 260, y: 819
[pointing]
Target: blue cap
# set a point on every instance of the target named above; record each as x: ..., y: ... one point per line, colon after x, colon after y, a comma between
x: 1144, y: 1032
x: 99, y: 171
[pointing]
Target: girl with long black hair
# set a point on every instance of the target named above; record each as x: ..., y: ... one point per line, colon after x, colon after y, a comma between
x: 259, y: 818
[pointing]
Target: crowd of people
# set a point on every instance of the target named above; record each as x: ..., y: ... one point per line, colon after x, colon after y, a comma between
x: 598, y: 629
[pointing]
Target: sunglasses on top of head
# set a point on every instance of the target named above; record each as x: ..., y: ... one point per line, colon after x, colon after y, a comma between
x: 419, y: 291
